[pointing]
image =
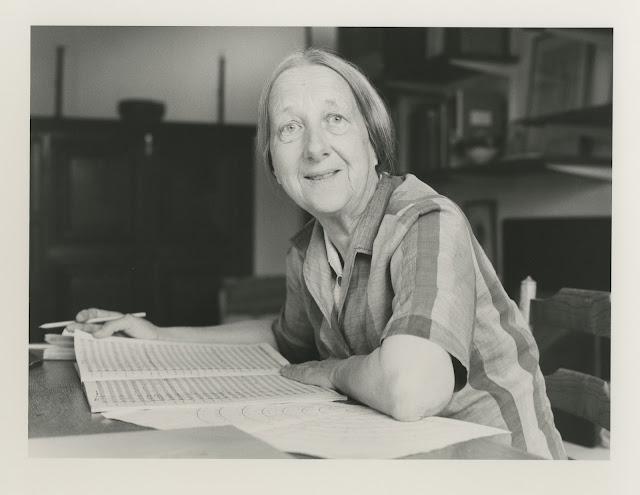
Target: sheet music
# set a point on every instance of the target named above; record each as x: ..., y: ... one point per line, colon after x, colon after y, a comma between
x: 320, y: 429
x: 106, y: 395
x: 120, y: 358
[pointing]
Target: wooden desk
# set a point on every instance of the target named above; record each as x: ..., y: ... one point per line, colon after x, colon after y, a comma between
x: 57, y: 407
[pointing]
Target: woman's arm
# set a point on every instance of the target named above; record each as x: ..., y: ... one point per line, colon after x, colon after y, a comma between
x: 243, y: 332
x: 407, y: 377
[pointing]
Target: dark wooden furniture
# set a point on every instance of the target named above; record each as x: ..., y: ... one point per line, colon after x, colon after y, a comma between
x: 57, y: 407
x: 137, y: 218
x: 570, y: 329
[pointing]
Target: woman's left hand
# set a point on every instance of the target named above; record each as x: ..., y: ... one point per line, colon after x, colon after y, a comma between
x: 318, y: 373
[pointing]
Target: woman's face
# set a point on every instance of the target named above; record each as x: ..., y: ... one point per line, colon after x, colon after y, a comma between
x: 320, y: 147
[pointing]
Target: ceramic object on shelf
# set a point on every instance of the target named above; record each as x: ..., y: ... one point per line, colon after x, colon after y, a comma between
x: 481, y: 155
x: 141, y: 112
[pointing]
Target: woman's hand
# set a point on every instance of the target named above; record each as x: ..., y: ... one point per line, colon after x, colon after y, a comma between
x: 318, y: 373
x: 138, y: 328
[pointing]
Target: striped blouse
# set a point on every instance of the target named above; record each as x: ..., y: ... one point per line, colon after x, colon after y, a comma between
x: 414, y: 267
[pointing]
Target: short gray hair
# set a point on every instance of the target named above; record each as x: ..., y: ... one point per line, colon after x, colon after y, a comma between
x: 370, y: 104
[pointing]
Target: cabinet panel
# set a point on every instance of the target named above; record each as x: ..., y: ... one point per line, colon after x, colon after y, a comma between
x: 99, y: 285
x: 199, y: 194
x: 94, y: 188
x: 186, y: 291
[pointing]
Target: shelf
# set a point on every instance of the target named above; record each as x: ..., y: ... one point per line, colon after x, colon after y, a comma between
x: 600, y: 172
x: 598, y: 36
x: 445, y: 69
x: 594, y: 116
x: 599, y: 169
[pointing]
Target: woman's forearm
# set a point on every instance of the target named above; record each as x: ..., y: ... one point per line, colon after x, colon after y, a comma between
x: 242, y: 332
x: 407, y: 380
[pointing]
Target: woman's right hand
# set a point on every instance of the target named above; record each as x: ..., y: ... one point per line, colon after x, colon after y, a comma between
x: 133, y: 326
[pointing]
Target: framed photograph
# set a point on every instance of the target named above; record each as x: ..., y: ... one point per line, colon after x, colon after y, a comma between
x: 560, y: 75
x: 482, y: 216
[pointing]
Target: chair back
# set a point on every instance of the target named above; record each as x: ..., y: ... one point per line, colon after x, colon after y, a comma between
x: 243, y: 298
x: 573, y: 331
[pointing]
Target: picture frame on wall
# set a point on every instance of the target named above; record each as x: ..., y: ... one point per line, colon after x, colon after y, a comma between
x: 560, y: 75
x: 482, y: 216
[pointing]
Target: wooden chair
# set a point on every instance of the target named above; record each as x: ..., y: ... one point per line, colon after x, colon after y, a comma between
x: 243, y: 298
x: 573, y: 331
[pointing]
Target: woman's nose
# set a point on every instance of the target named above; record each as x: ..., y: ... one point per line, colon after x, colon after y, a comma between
x: 316, y: 144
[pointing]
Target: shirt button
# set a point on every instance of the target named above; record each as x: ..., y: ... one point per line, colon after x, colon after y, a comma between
x: 339, y: 281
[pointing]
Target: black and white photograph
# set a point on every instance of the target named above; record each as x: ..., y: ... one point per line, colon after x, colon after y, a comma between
x: 321, y: 243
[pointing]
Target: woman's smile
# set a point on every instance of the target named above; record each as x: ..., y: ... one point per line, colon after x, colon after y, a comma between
x: 315, y: 177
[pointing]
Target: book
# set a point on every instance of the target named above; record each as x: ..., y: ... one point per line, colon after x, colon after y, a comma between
x: 126, y: 373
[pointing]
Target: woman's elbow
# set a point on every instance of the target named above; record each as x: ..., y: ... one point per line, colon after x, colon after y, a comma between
x: 413, y: 403
x: 417, y: 388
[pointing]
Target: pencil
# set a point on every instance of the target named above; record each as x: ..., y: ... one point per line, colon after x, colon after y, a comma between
x: 59, y: 324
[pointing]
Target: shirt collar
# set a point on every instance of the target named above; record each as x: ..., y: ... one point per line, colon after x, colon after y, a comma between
x: 332, y: 255
x: 369, y: 224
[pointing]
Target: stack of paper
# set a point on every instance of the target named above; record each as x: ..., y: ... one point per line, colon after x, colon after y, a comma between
x: 57, y: 347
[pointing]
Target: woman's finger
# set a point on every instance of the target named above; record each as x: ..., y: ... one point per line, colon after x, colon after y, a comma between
x: 84, y: 327
x: 87, y: 314
x: 131, y: 325
x: 108, y: 328
x: 291, y: 371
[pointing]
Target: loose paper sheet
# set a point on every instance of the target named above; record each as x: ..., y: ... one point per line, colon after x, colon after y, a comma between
x: 320, y: 429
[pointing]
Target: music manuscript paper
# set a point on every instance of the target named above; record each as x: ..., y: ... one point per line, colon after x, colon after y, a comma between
x: 124, y: 373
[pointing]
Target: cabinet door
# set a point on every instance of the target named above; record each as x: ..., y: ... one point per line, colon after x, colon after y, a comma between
x: 83, y: 248
x: 196, y: 218
x: 92, y: 189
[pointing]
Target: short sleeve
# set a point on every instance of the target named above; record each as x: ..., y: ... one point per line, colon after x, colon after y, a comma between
x: 433, y: 277
x: 293, y: 331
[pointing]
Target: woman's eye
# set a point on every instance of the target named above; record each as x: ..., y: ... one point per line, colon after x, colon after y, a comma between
x: 289, y: 130
x: 337, y: 122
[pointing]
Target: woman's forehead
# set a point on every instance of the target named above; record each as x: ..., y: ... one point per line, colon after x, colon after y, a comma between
x: 315, y: 80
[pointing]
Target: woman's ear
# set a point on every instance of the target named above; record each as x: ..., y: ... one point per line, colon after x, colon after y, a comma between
x: 273, y: 172
x: 272, y: 168
x: 373, y: 158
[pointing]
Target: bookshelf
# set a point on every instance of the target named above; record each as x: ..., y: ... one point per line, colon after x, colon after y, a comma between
x: 593, y: 116
x: 462, y: 72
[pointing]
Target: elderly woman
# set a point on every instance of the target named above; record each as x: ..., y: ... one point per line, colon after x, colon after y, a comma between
x: 390, y: 298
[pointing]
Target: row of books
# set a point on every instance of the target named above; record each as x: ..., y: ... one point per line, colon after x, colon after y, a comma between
x: 439, y: 129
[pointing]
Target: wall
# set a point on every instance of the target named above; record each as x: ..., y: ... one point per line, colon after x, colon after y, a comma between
x: 178, y: 65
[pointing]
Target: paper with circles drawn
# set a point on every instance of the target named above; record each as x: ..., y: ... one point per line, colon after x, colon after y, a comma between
x: 321, y: 429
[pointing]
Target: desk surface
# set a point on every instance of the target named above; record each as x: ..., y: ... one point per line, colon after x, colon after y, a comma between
x: 57, y: 407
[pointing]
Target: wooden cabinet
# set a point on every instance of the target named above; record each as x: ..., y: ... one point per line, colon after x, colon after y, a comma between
x: 137, y: 219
